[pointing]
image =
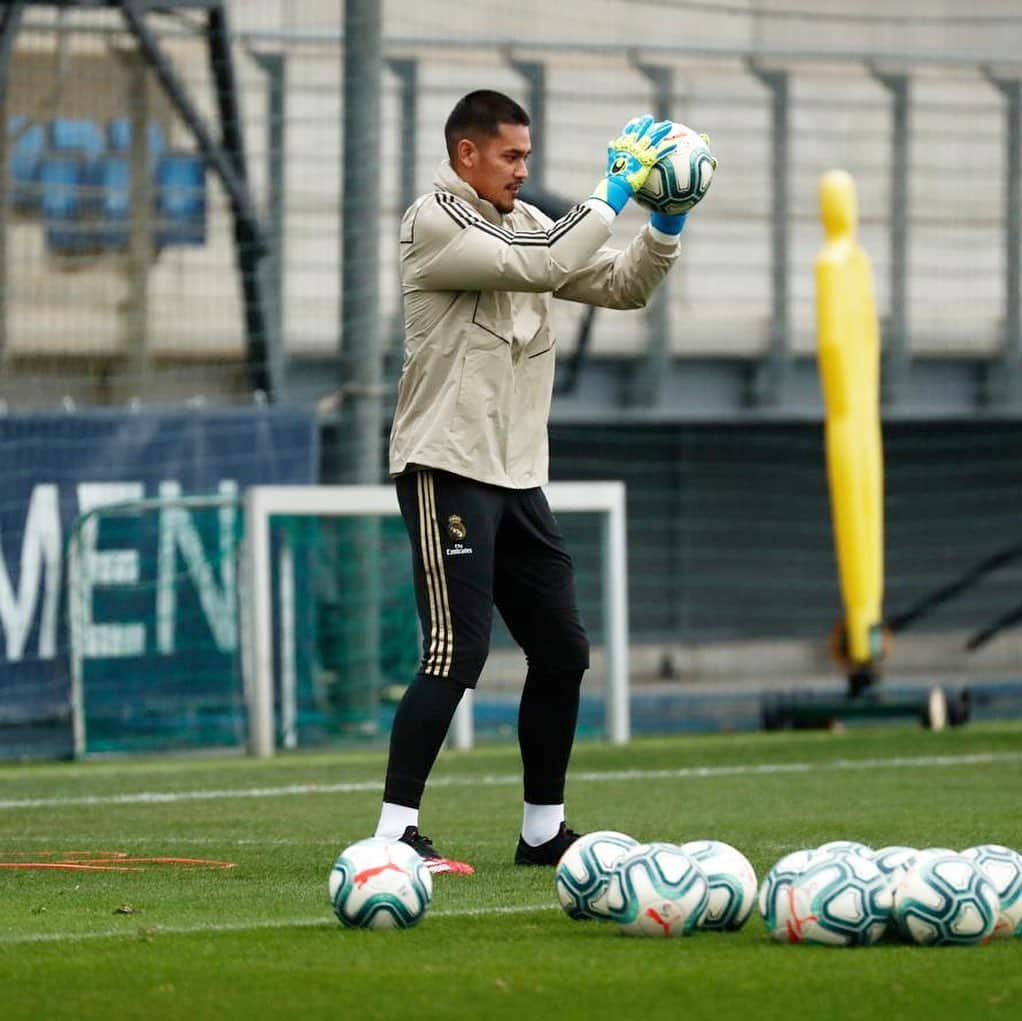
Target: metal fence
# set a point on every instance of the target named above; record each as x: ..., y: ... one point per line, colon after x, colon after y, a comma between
x: 125, y: 285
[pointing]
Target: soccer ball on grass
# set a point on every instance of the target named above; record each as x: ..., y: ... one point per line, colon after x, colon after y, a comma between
x: 657, y: 890
x: 946, y: 899
x: 1003, y: 868
x: 840, y: 900
x: 846, y: 847
x: 894, y: 860
x: 775, y: 903
x: 583, y: 873
x: 732, y: 881
x: 380, y: 884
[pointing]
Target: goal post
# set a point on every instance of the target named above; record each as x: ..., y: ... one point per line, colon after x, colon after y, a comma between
x: 262, y: 503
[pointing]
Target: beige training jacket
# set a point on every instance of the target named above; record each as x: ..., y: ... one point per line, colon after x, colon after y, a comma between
x: 475, y: 388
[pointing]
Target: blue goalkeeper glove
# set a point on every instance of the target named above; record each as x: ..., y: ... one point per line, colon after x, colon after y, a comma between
x: 668, y: 224
x: 630, y: 158
x: 675, y: 224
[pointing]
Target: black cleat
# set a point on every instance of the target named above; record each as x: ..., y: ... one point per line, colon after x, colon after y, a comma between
x: 548, y: 853
x: 435, y: 861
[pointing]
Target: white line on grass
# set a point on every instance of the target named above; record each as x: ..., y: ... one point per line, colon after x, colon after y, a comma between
x: 143, y: 932
x: 686, y: 773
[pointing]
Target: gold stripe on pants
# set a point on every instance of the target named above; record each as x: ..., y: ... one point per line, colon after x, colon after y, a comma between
x: 441, y: 637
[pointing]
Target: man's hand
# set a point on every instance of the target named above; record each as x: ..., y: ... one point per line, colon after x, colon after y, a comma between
x: 667, y: 223
x: 630, y: 159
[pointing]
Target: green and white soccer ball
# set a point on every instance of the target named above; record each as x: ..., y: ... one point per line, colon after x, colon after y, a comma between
x: 732, y: 882
x: 840, y: 900
x: 894, y: 860
x: 380, y: 884
x: 934, y: 852
x: 1003, y: 868
x: 681, y: 178
x: 657, y: 890
x: 775, y: 902
x: 946, y: 899
x: 846, y: 847
x: 583, y: 873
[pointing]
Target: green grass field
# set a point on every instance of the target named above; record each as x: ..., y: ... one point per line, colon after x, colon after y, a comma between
x: 259, y: 940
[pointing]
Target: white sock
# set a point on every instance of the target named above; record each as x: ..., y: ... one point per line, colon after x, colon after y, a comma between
x: 540, y: 823
x: 394, y: 819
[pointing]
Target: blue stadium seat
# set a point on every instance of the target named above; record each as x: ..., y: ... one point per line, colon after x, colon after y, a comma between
x: 25, y: 155
x: 67, y: 135
x: 63, y: 181
x: 118, y: 137
x: 180, y: 199
x: 111, y: 180
x: 71, y: 143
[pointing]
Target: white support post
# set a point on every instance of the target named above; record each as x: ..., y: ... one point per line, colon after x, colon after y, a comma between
x: 259, y: 686
x: 462, y: 734
x: 615, y: 617
x: 288, y: 644
x: 75, y: 608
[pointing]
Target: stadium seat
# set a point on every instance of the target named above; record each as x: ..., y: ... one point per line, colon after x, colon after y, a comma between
x: 111, y: 180
x: 63, y: 182
x: 180, y: 199
x: 25, y: 155
x: 118, y: 137
x: 74, y: 147
x: 67, y: 135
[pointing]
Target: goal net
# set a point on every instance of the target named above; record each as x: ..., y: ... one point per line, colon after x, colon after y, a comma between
x: 287, y: 618
x: 154, y: 651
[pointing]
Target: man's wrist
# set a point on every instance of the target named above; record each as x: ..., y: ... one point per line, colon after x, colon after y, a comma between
x: 614, y: 192
x: 668, y: 224
x: 602, y: 209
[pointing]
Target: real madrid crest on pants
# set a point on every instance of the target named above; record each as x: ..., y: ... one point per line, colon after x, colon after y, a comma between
x: 457, y: 530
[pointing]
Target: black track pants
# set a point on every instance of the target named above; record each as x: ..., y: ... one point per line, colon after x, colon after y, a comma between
x: 477, y: 546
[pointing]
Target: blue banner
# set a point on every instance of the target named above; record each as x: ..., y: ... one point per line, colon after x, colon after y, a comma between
x: 156, y: 585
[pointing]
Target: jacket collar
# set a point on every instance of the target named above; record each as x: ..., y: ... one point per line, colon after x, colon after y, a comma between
x: 447, y: 180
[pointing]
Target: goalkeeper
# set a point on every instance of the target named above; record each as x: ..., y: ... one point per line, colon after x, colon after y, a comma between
x: 468, y: 446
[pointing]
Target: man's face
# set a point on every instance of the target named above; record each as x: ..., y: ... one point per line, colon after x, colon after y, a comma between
x: 495, y: 166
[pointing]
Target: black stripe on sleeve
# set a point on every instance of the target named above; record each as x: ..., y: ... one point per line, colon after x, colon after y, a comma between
x: 464, y: 216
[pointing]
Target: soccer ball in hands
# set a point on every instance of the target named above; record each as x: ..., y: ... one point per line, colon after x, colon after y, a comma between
x: 1003, y: 868
x: 681, y: 178
x: 945, y: 899
x: 657, y: 890
x: 732, y: 881
x: 583, y: 873
x: 840, y: 900
x: 380, y: 884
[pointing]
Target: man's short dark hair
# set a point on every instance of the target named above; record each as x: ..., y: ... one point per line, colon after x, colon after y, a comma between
x: 479, y: 115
